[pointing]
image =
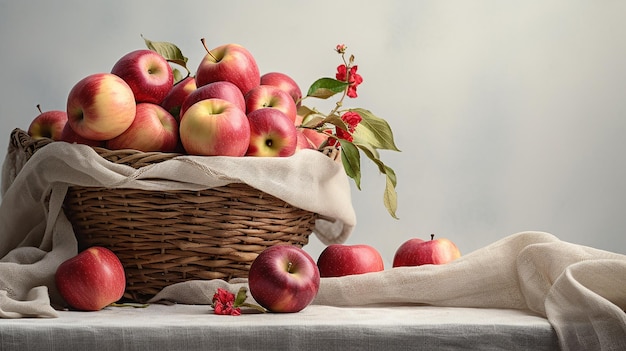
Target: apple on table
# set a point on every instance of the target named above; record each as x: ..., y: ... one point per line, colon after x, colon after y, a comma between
x: 148, y: 74
x: 338, y: 260
x: 91, y: 280
x: 284, y: 278
x: 100, y: 106
x: 48, y: 124
x: 215, y: 127
x: 229, y: 62
x: 272, y: 134
x: 417, y: 252
x: 153, y: 129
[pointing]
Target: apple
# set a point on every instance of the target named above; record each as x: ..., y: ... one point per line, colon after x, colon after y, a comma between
x: 314, y: 137
x: 229, y: 62
x: 173, y: 101
x: 303, y: 142
x: 417, y: 252
x: 91, y: 280
x: 272, y: 134
x: 48, y: 124
x: 217, y: 90
x: 153, y: 129
x: 284, y: 82
x: 100, y: 106
x: 215, y: 127
x: 338, y: 260
x: 70, y: 136
x: 264, y: 96
x: 283, y: 278
x: 148, y: 74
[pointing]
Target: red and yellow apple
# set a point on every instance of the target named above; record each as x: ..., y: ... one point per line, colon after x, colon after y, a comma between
x: 264, y: 96
x: 217, y: 90
x: 100, y: 106
x: 91, y: 280
x: 417, y: 252
x: 173, y: 101
x: 338, y: 260
x: 285, y: 83
x: 153, y: 129
x: 48, y: 124
x: 148, y: 74
x: 229, y: 62
x: 272, y: 134
x: 284, y: 278
x: 215, y: 127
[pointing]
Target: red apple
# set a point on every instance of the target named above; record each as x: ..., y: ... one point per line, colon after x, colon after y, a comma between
x: 91, y: 280
x: 48, y: 124
x: 229, y: 62
x: 337, y: 260
x: 154, y: 129
x: 173, y: 101
x: 148, y: 74
x: 100, y: 106
x: 283, y: 278
x: 215, y: 127
x: 70, y: 136
x: 284, y: 82
x: 303, y: 141
x: 264, y: 96
x: 272, y: 134
x: 217, y: 90
x: 417, y: 252
x: 314, y: 137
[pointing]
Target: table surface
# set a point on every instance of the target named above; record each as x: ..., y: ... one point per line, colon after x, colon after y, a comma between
x: 195, y: 327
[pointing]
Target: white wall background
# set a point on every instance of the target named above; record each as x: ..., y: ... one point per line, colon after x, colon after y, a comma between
x: 510, y: 114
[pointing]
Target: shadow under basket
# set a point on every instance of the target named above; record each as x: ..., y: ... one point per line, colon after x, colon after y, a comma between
x: 167, y: 237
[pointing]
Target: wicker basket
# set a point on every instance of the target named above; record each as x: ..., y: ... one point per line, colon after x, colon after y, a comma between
x: 166, y: 237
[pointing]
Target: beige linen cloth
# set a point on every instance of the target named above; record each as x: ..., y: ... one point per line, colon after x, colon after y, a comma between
x: 580, y: 290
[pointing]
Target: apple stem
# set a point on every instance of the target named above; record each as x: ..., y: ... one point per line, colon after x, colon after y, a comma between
x: 289, y: 265
x: 207, y: 49
x: 432, y: 236
x: 39, y: 108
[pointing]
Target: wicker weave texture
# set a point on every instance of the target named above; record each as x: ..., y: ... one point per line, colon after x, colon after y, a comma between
x: 167, y: 237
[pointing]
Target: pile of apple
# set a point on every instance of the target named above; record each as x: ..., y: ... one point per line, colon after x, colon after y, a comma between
x: 283, y: 278
x: 227, y: 109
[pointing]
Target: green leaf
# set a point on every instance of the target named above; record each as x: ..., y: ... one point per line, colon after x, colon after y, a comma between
x: 390, y: 197
x: 335, y: 120
x: 351, y: 159
x: 241, y: 296
x: 324, y: 88
x: 374, y: 131
x: 169, y: 51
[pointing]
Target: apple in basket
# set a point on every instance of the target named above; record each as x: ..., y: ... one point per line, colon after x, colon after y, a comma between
x: 148, y: 74
x: 100, y: 106
x: 174, y: 99
x: 91, y: 280
x: 263, y: 96
x: 284, y: 82
x: 217, y: 90
x: 338, y: 260
x: 417, y: 252
x: 272, y: 134
x: 229, y: 62
x: 154, y: 129
x: 48, y: 124
x: 215, y: 127
x: 70, y: 136
x: 284, y: 278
